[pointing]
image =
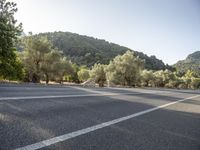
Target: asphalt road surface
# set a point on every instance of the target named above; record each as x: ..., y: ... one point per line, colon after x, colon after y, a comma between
x: 75, y: 118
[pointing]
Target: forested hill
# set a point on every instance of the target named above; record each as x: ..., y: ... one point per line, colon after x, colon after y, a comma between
x: 192, y: 62
x: 85, y: 50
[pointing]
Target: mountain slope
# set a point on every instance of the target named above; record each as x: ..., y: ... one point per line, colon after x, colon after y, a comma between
x: 192, y: 62
x: 85, y: 50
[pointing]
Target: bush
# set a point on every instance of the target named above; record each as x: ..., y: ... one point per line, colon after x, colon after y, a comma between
x: 182, y: 86
x: 98, y: 74
x: 195, y: 83
x: 83, y: 75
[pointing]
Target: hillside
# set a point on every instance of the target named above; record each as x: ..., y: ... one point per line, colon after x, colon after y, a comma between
x: 192, y: 62
x: 85, y: 50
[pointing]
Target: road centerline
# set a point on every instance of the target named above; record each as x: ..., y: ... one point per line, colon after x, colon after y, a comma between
x: 74, y: 134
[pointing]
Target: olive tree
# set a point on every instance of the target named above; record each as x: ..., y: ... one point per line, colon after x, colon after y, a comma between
x: 34, y: 55
x: 147, y: 78
x: 125, y: 69
x: 83, y: 74
x: 98, y: 73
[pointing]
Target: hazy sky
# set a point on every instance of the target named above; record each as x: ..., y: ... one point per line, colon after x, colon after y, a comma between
x: 169, y: 29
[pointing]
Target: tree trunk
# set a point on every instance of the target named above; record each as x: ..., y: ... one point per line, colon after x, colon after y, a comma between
x: 61, y: 80
x: 146, y: 83
x: 35, y: 78
x: 101, y: 84
x: 47, y: 78
x: 37, y: 74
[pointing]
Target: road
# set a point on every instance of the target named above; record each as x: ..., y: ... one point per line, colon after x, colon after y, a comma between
x: 75, y: 118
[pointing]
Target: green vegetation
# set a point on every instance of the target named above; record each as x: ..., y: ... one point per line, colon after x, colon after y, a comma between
x: 192, y: 62
x: 83, y: 74
x: 99, y: 74
x: 84, y: 50
x: 34, y: 56
x: 10, y: 65
x: 42, y: 61
x: 169, y: 79
x: 64, y: 56
x: 125, y: 69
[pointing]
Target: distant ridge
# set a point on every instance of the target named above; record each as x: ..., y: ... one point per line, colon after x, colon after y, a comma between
x: 192, y: 62
x: 85, y: 50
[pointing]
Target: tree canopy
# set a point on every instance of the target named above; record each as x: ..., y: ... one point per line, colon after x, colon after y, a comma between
x: 10, y: 66
x: 99, y: 74
x: 125, y: 69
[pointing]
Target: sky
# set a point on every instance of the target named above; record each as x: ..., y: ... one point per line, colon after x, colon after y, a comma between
x: 168, y: 29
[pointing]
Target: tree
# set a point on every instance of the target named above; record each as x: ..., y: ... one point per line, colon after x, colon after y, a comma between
x: 62, y: 68
x: 42, y: 61
x: 10, y: 66
x: 34, y: 55
x: 187, y: 78
x: 174, y: 82
x: 83, y: 74
x: 48, y: 66
x: 98, y: 74
x: 73, y: 76
x: 125, y: 69
x: 147, y: 78
x: 195, y: 83
x: 159, y: 78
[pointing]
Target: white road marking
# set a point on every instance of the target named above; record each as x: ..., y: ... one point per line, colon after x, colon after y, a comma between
x: 124, y: 89
x: 93, y: 93
x: 68, y: 136
x: 63, y: 96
